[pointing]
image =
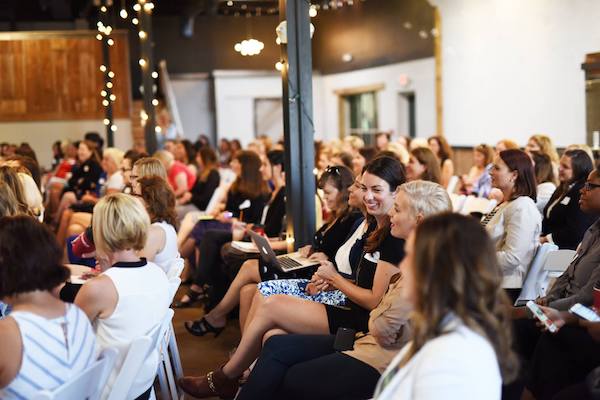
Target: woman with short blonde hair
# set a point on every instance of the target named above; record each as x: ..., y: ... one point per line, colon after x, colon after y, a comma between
x: 131, y: 295
x: 146, y: 166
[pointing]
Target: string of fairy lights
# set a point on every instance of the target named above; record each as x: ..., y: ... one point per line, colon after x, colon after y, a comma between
x: 104, y: 35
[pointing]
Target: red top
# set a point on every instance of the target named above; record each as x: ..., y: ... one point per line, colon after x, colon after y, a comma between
x: 64, y: 168
x: 177, y: 168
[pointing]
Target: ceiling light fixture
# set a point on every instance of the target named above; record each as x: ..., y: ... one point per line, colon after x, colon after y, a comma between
x: 250, y: 47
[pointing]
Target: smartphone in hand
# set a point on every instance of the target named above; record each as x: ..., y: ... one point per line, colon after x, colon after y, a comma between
x: 585, y: 313
x: 540, y: 316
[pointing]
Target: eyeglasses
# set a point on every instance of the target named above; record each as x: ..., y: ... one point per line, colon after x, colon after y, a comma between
x: 590, y: 186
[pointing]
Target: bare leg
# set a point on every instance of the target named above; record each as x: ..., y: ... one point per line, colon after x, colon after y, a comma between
x: 308, y: 318
x: 65, y: 219
x: 246, y: 295
x: 187, y: 248
x: 67, y: 200
x: 248, y: 274
x: 257, y: 301
x: 273, y: 332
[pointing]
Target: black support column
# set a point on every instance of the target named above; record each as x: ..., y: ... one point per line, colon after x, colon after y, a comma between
x: 297, y: 122
x: 147, y: 66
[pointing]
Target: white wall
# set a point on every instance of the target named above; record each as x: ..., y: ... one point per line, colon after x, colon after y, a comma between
x: 42, y: 134
x: 235, y: 92
x: 512, y: 68
x: 421, y: 81
x: 193, y: 96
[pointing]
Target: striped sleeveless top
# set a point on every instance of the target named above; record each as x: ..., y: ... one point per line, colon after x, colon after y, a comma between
x: 54, y: 351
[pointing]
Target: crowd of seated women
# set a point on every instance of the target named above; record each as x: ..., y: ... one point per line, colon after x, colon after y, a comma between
x: 403, y: 298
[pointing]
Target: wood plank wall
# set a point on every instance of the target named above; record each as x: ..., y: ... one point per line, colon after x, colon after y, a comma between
x: 56, y: 76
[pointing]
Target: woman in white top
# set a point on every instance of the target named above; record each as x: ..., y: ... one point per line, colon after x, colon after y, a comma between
x: 159, y: 199
x: 43, y: 342
x: 461, y: 341
x: 132, y: 295
x: 515, y: 224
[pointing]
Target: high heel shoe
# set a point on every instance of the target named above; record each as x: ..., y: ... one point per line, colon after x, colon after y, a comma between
x: 202, y: 327
x: 192, y: 296
x: 213, y: 384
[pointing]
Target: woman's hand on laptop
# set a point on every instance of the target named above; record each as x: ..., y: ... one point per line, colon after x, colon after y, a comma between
x: 318, y: 256
x: 304, y: 251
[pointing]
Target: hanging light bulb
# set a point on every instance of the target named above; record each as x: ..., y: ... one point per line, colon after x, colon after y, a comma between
x: 99, y: 36
x: 142, y: 62
x: 109, y: 85
x: 312, y: 11
x: 106, y: 121
x: 103, y: 9
x: 113, y: 128
x: 105, y: 103
x: 111, y: 74
x: 154, y: 102
x: 137, y: 7
x: 103, y: 93
x: 103, y: 68
x: 148, y: 7
x: 155, y: 74
x: 142, y: 34
x: 134, y: 21
x: 278, y: 65
x: 110, y: 42
x: 113, y: 97
x: 123, y: 13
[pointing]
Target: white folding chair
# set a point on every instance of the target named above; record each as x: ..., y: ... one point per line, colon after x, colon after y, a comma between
x: 139, y: 351
x: 88, y: 384
x: 175, y: 268
x: 558, y: 261
x: 535, y: 283
x: 458, y: 201
x: 477, y: 204
x: 452, y: 184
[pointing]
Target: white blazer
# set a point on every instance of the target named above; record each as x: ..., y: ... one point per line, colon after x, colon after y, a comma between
x: 458, y: 365
x: 515, y: 229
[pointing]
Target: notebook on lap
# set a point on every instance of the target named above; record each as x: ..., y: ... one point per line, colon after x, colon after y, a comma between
x: 285, y: 263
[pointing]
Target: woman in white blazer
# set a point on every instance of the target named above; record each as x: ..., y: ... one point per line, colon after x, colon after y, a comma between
x: 515, y: 224
x: 461, y: 342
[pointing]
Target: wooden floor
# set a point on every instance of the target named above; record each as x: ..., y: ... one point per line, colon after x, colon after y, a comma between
x: 200, y: 355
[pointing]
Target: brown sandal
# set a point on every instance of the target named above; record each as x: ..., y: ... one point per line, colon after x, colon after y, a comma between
x: 215, y: 383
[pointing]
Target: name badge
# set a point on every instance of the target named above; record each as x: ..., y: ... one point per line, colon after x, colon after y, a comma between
x: 565, y: 201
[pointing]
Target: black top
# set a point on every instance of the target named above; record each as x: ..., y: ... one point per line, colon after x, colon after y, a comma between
x: 566, y: 222
x: 330, y: 238
x: 85, y: 178
x: 275, y: 214
x: 202, y: 191
x: 253, y: 213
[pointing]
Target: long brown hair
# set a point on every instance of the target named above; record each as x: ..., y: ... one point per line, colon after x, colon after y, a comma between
x: 9, y: 177
x: 456, y: 271
x: 445, y: 150
x: 209, y: 161
x: 250, y: 182
x: 432, y: 168
x: 159, y: 199
x: 519, y: 161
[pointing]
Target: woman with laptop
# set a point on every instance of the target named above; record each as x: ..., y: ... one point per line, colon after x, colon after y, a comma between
x: 336, y: 182
x: 372, y: 272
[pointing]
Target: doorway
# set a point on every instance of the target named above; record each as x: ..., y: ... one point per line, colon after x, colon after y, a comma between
x: 406, y: 114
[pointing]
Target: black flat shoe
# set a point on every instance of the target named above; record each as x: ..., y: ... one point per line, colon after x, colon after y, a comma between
x: 193, y: 296
x: 202, y: 327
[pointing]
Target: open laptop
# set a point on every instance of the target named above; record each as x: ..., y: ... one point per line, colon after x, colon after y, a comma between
x: 286, y: 263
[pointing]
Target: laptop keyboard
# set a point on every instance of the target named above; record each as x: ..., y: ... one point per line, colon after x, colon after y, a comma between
x: 287, y: 262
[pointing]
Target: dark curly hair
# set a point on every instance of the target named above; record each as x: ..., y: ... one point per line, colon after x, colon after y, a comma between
x: 30, y: 257
x: 159, y: 199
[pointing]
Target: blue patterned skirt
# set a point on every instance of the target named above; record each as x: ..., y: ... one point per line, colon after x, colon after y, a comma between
x: 297, y: 288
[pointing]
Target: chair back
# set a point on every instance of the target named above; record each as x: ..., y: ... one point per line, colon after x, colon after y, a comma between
x: 174, y: 285
x: 458, y: 201
x: 536, y: 280
x: 452, y: 184
x: 214, y: 201
x: 477, y: 205
x: 558, y: 262
x: 175, y: 268
x: 139, y: 350
x: 88, y: 384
